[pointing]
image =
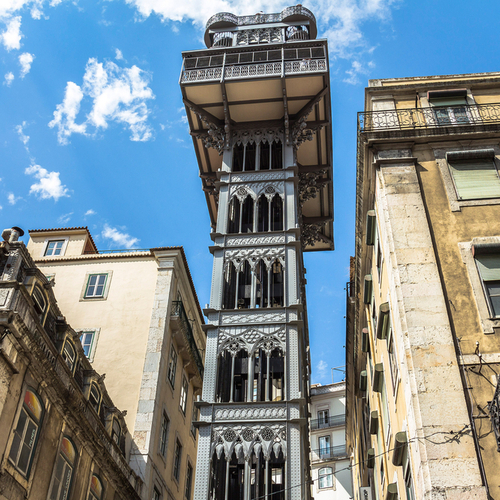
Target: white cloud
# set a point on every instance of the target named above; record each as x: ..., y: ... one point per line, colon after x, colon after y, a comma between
x: 64, y: 219
x: 11, y: 37
x: 89, y: 212
x: 122, y: 239
x: 119, y: 55
x: 13, y: 199
x: 20, y: 131
x: 321, y: 367
x: 339, y: 20
x: 49, y: 184
x: 25, y: 61
x: 117, y: 94
x: 356, y: 70
x: 9, y: 78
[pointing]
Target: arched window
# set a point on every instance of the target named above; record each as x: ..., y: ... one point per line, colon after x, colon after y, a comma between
x: 26, y: 432
x: 277, y: 213
x: 39, y: 301
x: 95, y: 397
x: 266, y: 375
x: 63, y: 471
x: 247, y: 215
x: 69, y: 355
x: 263, y: 214
x: 276, y: 277
x: 244, y: 280
x: 325, y: 477
x: 116, y: 431
x: 244, y: 156
x: 229, y: 300
x: 271, y: 155
x: 233, y: 223
x: 262, y: 285
x: 96, y: 489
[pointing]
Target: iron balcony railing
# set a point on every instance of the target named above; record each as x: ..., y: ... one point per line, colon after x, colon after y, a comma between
x: 252, y: 64
x: 178, y: 310
x: 329, y: 453
x: 331, y: 421
x: 428, y: 118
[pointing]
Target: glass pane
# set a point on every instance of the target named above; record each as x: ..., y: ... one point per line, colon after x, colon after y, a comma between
x: 102, y: 279
x: 15, y: 447
x: 495, y: 305
x: 66, y: 482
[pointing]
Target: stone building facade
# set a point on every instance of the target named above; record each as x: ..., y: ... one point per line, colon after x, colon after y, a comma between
x: 330, y: 462
x: 423, y: 316
x: 139, y: 322
x: 61, y: 436
x: 258, y: 106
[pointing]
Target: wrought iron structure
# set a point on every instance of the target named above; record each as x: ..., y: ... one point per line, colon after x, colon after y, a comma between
x: 494, y: 409
x: 428, y: 118
x: 329, y: 453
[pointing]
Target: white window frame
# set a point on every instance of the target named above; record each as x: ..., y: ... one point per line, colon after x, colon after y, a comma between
x: 84, y: 297
x: 328, y: 476
x: 64, y: 239
x: 95, y: 337
x: 172, y: 365
x: 184, y: 394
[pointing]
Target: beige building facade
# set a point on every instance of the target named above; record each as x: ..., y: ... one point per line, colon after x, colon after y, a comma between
x: 423, y: 346
x: 139, y: 323
x: 61, y: 436
x: 330, y: 463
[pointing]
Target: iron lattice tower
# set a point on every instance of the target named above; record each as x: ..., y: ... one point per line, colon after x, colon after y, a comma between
x: 258, y: 105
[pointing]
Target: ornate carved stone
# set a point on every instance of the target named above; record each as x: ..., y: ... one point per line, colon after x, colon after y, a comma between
x: 310, y: 184
x: 311, y: 233
x: 253, y: 255
x: 256, y: 136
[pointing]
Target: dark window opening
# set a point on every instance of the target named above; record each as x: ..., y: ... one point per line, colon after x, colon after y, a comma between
x: 276, y: 285
x: 238, y: 157
x: 247, y: 215
x: 233, y: 224
x: 263, y: 214
x: 277, y: 213
x: 229, y: 301
x: 265, y: 155
x: 262, y: 285
x: 244, y: 287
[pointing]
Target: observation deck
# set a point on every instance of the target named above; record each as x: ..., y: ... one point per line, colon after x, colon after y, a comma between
x: 262, y: 72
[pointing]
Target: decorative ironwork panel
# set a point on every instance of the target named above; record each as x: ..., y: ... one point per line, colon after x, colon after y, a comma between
x: 494, y: 409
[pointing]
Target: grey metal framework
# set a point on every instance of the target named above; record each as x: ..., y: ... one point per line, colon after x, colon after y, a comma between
x: 494, y: 410
x: 258, y: 92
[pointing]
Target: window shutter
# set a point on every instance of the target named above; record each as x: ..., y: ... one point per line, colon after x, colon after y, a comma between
x: 476, y: 179
x: 489, y: 267
x: 454, y: 101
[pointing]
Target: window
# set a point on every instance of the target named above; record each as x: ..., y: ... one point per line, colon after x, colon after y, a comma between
x: 87, y: 340
x: 189, y: 481
x: 95, y: 397
x: 156, y: 494
x: 95, y: 286
x: 449, y: 107
x: 475, y: 179
x: 96, y: 488
x: 410, y: 493
x: 63, y: 471
x: 116, y: 431
x: 177, y: 460
x: 26, y: 433
x: 164, y: 434
x: 184, y: 394
x: 325, y: 476
x: 393, y: 362
x: 172, y: 365
x: 323, y: 418
x: 324, y: 446
x: 69, y: 355
x: 54, y: 247
x: 39, y: 301
x: 489, y: 270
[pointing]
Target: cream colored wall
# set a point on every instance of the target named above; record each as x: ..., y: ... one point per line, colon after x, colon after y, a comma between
x: 123, y: 318
x: 75, y: 246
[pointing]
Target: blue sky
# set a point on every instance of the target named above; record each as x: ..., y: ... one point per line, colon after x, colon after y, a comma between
x: 93, y: 131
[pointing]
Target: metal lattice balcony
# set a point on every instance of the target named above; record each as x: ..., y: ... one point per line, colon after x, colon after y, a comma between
x: 179, y: 312
x: 429, y: 118
x: 326, y: 422
x: 329, y: 453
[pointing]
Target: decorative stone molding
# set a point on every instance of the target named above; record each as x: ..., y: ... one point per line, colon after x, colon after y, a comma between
x: 244, y: 439
x: 310, y: 184
x: 252, y: 240
x: 256, y: 136
x: 255, y: 176
x: 269, y: 189
x: 251, y: 339
x: 253, y: 317
x: 255, y: 412
x: 253, y: 255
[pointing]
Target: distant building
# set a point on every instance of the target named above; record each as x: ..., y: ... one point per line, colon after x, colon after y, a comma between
x: 423, y: 347
x: 61, y: 436
x: 331, y: 472
x: 259, y: 111
x: 140, y: 323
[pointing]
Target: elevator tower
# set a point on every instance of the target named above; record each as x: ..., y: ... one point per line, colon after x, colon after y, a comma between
x: 258, y: 106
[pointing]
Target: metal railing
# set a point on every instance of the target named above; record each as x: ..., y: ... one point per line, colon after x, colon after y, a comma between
x: 258, y: 63
x: 329, y: 453
x: 178, y: 310
x: 331, y: 421
x: 427, y: 118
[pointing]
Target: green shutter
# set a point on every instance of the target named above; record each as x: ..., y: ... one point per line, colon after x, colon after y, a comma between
x: 453, y: 101
x: 489, y: 267
x: 476, y: 179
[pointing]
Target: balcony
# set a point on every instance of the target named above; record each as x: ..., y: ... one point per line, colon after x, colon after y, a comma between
x: 430, y: 121
x: 327, y: 422
x: 255, y: 64
x: 180, y: 315
x: 329, y: 453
